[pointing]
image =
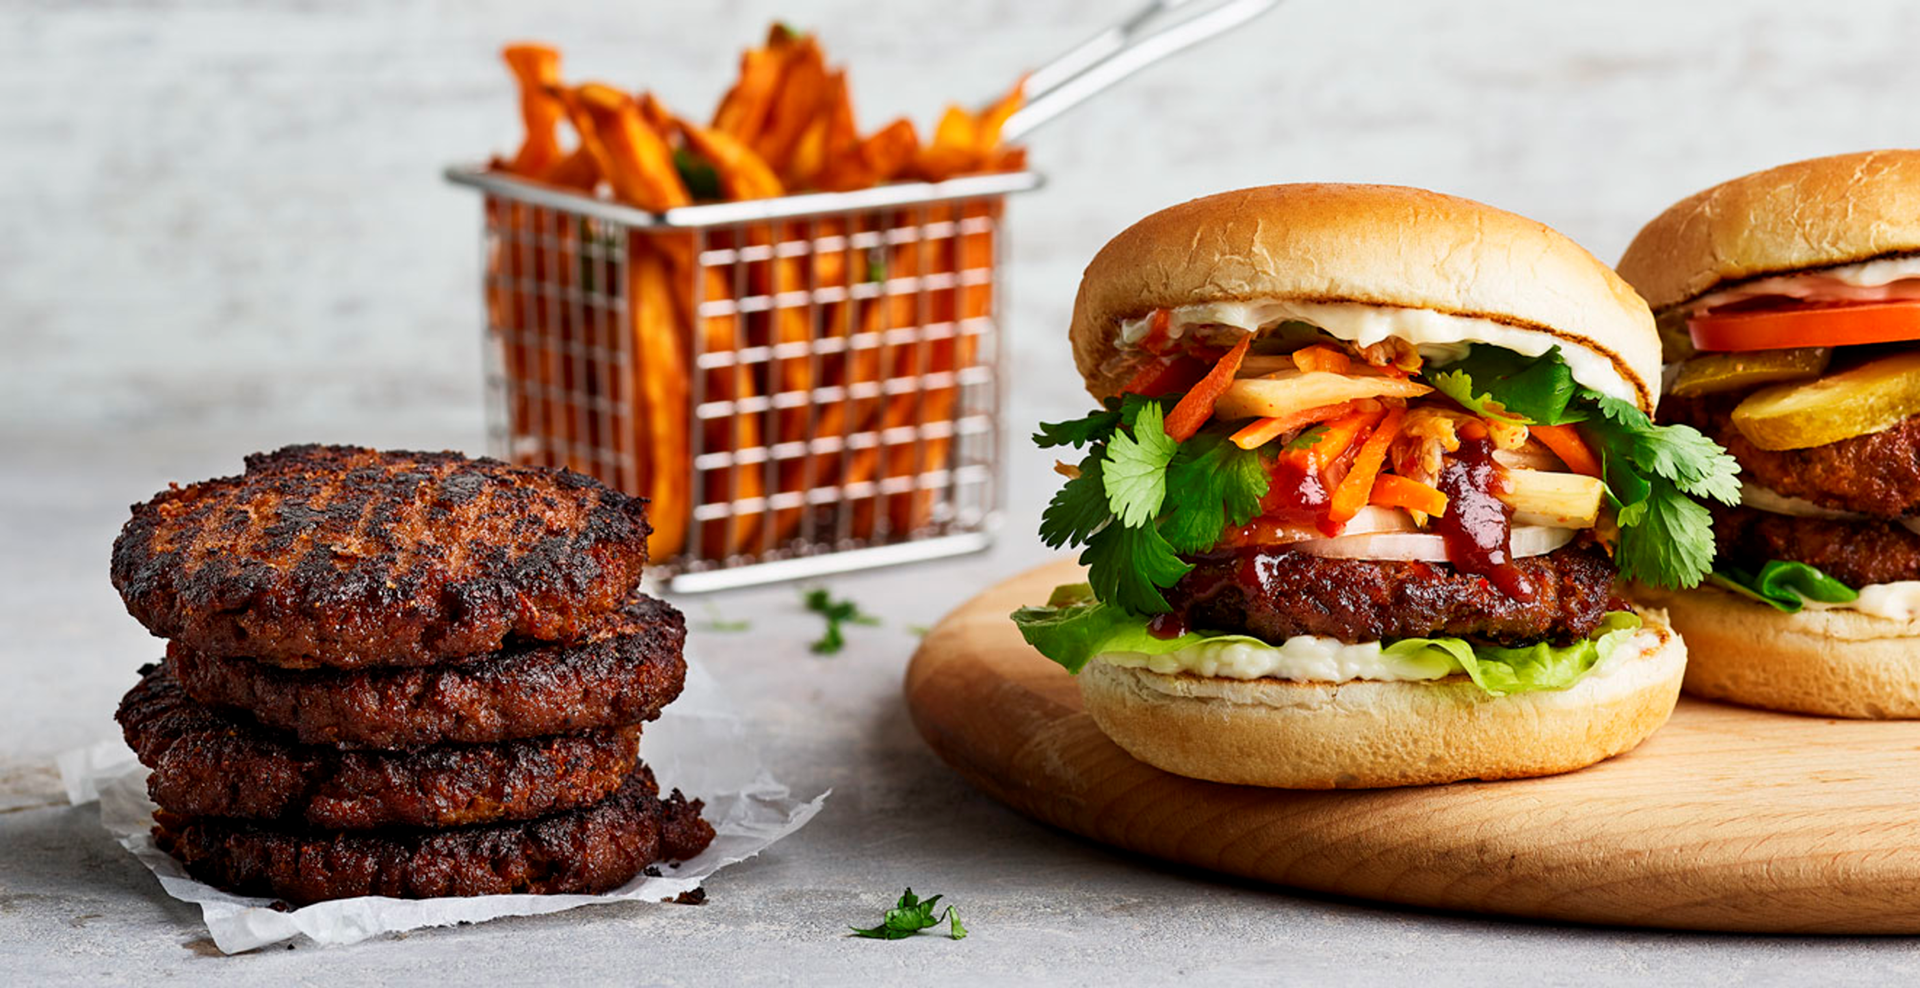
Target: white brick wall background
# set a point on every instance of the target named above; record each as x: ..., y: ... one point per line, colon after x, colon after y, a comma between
x: 228, y: 215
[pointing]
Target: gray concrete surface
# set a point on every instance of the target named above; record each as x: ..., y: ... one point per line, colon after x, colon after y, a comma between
x: 221, y: 230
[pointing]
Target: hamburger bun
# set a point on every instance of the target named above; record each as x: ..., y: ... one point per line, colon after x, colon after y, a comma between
x: 1371, y: 244
x: 1834, y: 663
x: 1810, y: 214
x: 1367, y: 734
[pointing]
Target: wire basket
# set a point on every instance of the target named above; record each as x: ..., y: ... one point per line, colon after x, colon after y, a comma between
x: 802, y: 385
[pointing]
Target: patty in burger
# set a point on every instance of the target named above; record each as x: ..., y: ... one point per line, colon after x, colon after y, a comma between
x: 1789, y: 304
x: 1368, y: 466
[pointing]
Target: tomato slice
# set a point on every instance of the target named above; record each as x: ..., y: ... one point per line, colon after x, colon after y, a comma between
x: 1819, y: 325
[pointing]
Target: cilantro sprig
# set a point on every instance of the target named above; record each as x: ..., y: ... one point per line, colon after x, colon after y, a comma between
x: 1653, y: 472
x: 838, y: 614
x: 1140, y: 498
x: 909, y: 916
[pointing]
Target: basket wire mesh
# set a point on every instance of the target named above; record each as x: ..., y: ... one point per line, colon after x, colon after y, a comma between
x: 802, y: 385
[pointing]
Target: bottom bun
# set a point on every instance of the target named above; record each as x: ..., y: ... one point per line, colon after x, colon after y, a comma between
x: 1368, y: 734
x: 1836, y: 663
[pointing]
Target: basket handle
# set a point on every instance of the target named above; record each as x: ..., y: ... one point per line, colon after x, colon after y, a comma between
x: 1118, y: 52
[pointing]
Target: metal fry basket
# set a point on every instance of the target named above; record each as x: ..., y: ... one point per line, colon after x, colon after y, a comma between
x: 803, y: 385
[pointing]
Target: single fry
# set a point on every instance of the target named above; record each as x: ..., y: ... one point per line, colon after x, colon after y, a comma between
x: 891, y: 151
x: 803, y: 83
x: 638, y: 163
x: 536, y: 68
x: 661, y: 384
x: 743, y: 112
x: 743, y: 175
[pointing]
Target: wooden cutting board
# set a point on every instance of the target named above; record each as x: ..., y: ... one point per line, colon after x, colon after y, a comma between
x: 1727, y: 819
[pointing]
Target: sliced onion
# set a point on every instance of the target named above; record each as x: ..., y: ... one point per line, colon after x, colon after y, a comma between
x: 1527, y: 540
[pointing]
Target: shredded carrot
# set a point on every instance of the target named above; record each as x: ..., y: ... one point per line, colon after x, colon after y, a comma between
x: 1395, y: 491
x: 1566, y: 443
x: 1196, y: 408
x: 1352, y: 493
x: 1322, y: 358
x: 1342, y: 432
x: 1259, y: 432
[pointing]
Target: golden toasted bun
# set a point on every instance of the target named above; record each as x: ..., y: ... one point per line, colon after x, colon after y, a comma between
x: 1834, y: 663
x: 1809, y: 214
x: 1363, y: 735
x: 1372, y: 244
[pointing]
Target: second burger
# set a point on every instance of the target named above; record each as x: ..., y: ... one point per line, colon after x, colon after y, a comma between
x: 1368, y: 465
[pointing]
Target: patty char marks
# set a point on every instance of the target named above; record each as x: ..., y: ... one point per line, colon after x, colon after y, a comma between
x: 1856, y: 552
x: 351, y: 557
x: 1876, y: 474
x: 585, y: 851
x: 1274, y: 594
x: 206, y: 765
x: 626, y: 669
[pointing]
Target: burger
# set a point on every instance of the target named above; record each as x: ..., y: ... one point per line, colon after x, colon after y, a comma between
x: 1368, y: 466
x: 1789, y: 305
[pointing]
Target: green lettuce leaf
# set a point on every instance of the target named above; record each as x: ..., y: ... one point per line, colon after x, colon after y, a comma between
x: 1074, y: 627
x: 1784, y: 586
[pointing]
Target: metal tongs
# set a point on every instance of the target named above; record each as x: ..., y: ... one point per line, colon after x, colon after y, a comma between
x: 1118, y: 52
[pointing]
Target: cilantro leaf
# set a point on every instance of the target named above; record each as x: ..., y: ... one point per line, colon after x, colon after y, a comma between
x: 909, y: 916
x: 837, y: 613
x: 1093, y: 428
x: 1128, y: 567
x: 1210, y: 483
x: 1078, y: 509
x: 1135, y: 473
x: 1307, y: 439
x: 1680, y: 453
x: 1535, y: 389
x: 1670, y: 541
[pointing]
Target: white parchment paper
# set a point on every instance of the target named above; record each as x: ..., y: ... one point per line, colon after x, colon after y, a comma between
x: 698, y: 745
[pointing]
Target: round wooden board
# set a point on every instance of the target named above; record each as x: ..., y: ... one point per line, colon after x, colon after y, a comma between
x: 1727, y: 819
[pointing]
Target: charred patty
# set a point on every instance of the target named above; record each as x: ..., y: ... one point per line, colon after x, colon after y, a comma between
x: 1275, y: 594
x: 348, y: 557
x: 587, y: 851
x: 627, y: 666
x: 1856, y: 552
x: 207, y: 765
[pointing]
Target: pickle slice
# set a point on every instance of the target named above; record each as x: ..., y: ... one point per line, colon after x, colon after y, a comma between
x: 1856, y: 402
x: 1713, y: 373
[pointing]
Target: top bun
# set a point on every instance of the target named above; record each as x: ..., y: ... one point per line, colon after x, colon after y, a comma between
x: 1809, y: 214
x: 1373, y: 244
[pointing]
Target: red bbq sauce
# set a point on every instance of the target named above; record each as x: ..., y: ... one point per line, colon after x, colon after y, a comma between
x: 1477, y: 525
x: 1297, y: 494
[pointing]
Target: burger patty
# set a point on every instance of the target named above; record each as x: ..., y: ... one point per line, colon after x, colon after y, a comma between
x: 1855, y: 552
x: 348, y: 557
x: 628, y: 666
x: 206, y: 765
x: 584, y: 851
x: 1875, y: 474
x: 1275, y: 594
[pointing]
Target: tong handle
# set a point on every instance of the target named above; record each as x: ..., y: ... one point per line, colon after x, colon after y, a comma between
x: 1118, y: 52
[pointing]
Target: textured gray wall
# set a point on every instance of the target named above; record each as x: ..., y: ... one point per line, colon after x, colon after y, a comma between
x: 224, y: 215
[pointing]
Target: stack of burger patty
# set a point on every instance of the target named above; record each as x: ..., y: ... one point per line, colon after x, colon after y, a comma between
x: 402, y: 674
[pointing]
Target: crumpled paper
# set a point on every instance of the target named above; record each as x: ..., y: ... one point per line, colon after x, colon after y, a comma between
x: 698, y: 745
